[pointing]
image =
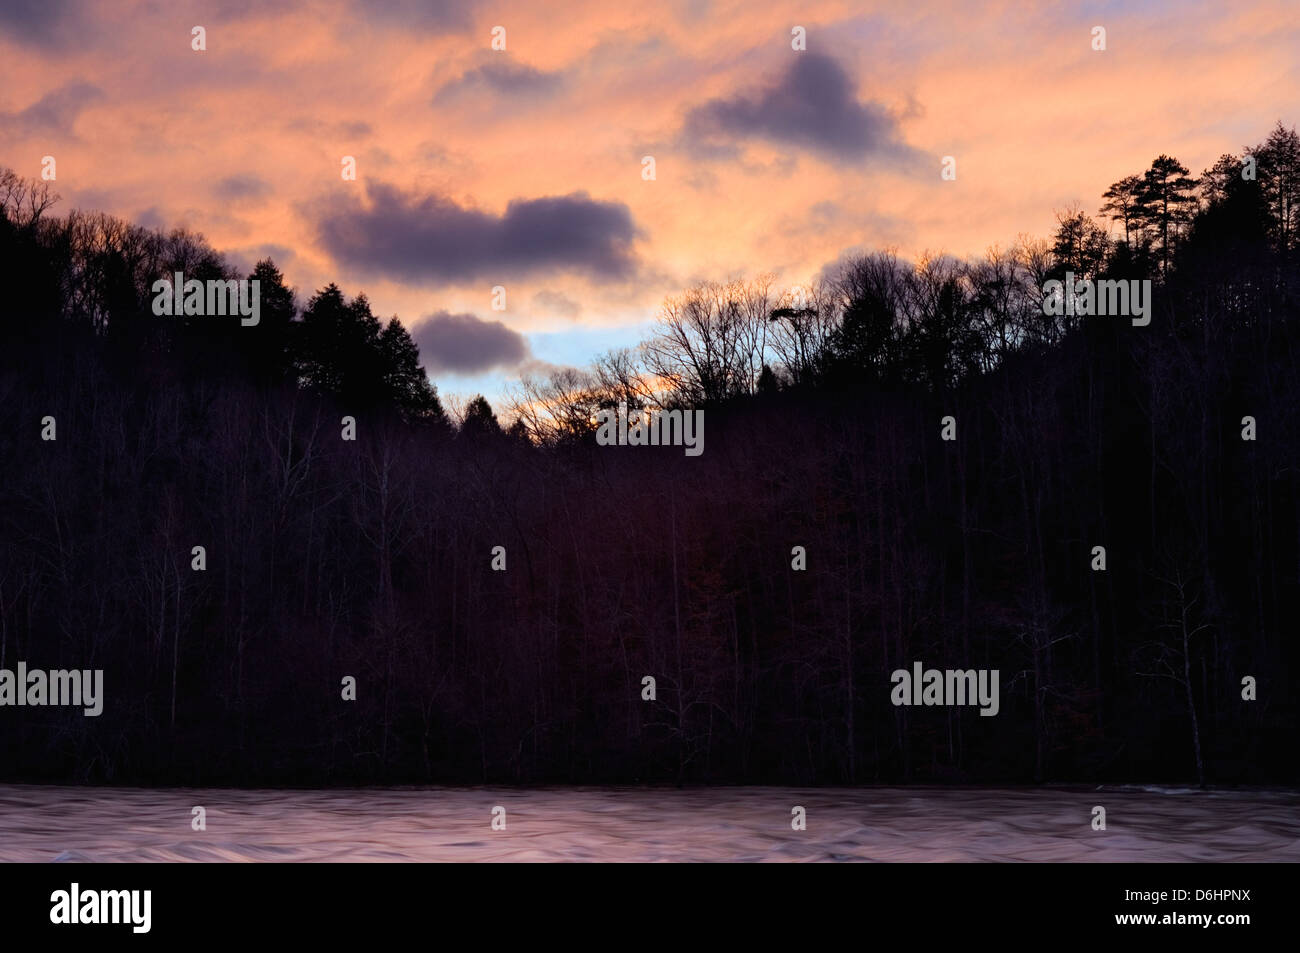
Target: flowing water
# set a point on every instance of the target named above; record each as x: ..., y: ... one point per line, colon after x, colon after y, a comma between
x: 40, y: 823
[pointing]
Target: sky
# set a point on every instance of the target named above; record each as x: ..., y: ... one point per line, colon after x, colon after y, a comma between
x: 524, y: 168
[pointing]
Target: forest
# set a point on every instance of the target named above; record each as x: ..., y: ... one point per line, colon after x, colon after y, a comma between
x: 1174, y: 446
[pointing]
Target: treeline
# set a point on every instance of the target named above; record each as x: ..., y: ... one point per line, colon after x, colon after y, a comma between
x: 372, y: 558
x: 938, y: 322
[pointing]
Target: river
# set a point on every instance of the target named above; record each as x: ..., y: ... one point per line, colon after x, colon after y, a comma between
x: 40, y: 823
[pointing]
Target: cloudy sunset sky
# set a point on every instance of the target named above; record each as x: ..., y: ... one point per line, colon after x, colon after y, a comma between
x: 523, y: 167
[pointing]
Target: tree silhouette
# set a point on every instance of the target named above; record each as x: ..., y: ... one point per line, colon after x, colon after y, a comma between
x: 479, y: 420
x: 1167, y: 201
x: 1124, y: 203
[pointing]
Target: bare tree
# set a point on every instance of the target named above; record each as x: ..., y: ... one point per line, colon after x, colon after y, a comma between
x: 710, y: 342
x: 1172, y: 658
x: 24, y: 201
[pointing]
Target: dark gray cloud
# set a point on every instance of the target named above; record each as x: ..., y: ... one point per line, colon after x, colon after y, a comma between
x: 245, y: 259
x: 355, y: 129
x: 465, y: 344
x: 98, y: 200
x: 234, y: 188
x: 412, y: 237
x: 280, y: 254
x: 426, y: 16
x: 345, y: 129
x: 58, y: 24
x: 812, y: 106
x: 43, y: 22
x: 237, y: 9
x: 556, y: 302
x: 150, y: 218
x: 52, y: 114
x: 502, y: 77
